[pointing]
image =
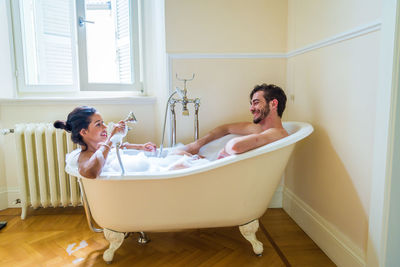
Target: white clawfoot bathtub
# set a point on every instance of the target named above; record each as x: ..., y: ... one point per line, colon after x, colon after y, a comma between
x: 233, y: 191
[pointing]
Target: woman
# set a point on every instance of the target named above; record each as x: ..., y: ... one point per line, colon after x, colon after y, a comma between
x: 87, y: 129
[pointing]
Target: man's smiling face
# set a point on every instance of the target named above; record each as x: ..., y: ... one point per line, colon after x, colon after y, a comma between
x: 259, y: 107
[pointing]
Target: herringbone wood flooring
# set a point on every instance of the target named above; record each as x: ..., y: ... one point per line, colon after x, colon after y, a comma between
x: 44, y: 237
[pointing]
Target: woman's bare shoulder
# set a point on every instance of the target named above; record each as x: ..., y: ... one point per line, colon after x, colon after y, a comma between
x: 85, y: 155
x: 84, y: 166
x: 84, y: 158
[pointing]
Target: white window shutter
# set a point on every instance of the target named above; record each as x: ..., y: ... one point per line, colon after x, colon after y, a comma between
x: 54, y: 39
x: 49, y: 46
x: 123, y: 36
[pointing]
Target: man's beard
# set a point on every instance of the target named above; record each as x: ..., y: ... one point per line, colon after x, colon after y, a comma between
x: 264, y: 113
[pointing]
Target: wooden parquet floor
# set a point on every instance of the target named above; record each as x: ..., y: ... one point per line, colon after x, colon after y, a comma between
x: 61, y: 237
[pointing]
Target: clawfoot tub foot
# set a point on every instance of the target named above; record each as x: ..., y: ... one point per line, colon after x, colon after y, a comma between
x: 249, y: 232
x: 143, y: 239
x: 115, y: 239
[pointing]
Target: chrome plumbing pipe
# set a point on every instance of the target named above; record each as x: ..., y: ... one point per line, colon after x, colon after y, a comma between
x: 88, y: 213
x: 132, y: 119
x: 196, y: 118
x: 171, y: 102
x: 185, y: 112
x: 121, y: 165
x: 165, y: 120
x: 173, y: 122
x: 6, y: 131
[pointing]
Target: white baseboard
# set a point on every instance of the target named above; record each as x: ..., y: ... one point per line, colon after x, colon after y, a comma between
x: 338, y: 247
x: 276, y: 201
x: 12, y: 196
x: 3, y: 199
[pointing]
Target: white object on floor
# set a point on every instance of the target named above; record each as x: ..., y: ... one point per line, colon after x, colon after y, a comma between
x: 70, y: 247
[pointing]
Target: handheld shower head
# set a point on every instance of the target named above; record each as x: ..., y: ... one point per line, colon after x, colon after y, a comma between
x: 131, y: 118
x: 117, y: 138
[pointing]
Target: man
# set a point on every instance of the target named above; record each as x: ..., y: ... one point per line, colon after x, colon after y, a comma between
x: 267, y: 105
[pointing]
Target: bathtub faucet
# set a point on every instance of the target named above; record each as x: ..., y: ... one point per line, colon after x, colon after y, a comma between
x: 183, y: 94
x: 184, y: 100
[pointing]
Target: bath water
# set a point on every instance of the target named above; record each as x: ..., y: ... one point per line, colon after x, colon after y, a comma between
x: 140, y: 161
x: 136, y: 161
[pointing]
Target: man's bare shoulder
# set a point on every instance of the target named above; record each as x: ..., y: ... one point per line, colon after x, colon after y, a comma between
x: 275, y: 133
x: 244, y: 128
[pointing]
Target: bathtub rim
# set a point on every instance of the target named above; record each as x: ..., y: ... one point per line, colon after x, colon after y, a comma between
x: 304, y: 130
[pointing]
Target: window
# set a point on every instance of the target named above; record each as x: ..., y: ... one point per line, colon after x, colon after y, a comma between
x: 71, y: 45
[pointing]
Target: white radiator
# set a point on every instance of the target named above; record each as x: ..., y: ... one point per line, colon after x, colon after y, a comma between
x: 41, y: 151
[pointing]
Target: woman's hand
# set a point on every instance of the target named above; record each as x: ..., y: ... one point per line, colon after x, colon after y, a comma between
x: 149, y: 146
x: 127, y: 145
x: 118, y: 128
x: 118, y: 132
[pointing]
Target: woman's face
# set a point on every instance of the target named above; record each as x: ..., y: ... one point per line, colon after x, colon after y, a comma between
x: 96, y: 131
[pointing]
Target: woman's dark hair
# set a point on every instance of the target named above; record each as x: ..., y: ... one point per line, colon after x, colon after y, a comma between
x: 77, y: 120
x: 272, y: 92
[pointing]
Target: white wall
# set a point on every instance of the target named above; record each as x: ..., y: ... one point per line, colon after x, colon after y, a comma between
x: 226, y: 26
x: 384, y: 234
x: 6, y: 89
x: 6, y: 70
x: 335, y: 89
x: 311, y: 21
x: 3, y: 183
x: 231, y: 47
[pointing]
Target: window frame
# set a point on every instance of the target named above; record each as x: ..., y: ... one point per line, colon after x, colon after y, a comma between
x: 135, y: 52
x: 79, y: 58
x: 22, y: 86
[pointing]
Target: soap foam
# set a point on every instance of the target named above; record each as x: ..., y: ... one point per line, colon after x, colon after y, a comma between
x: 142, y: 163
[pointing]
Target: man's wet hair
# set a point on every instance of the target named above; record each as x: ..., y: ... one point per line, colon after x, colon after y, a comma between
x: 272, y: 92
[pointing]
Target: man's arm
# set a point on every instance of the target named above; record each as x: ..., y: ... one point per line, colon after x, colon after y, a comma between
x: 245, y: 143
x: 241, y: 128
